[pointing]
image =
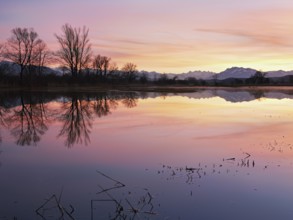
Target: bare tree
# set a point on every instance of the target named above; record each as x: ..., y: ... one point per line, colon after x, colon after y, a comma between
x: 98, y: 65
x: 43, y: 56
x: 129, y: 72
x: 75, y: 51
x: 113, y: 68
x: 114, y: 73
x: 101, y: 64
x: 215, y: 78
x: 20, y: 47
x: 1, y: 49
x: 258, y: 78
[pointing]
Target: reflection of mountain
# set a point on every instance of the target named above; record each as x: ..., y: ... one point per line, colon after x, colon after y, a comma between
x: 27, y: 115
x: 240, y: 95
x: 103, y: 102
x: 236, y: 96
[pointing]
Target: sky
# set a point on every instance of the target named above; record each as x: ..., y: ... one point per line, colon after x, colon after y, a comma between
x: 168, y: 36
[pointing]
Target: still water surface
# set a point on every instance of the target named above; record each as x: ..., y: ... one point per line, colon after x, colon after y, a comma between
x: 212, y: 154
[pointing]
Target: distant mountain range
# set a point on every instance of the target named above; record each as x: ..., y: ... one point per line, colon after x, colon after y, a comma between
x: 230, y: 73
x: 7, y: 67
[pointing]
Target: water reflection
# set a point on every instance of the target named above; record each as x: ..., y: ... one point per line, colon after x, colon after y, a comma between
x: 3, y: 112
x: 192, y: 174
x: 171, y: 158
x: 53, y: 207
x: 114, y: 200
x: 28, y: 121
x: 103, y: 104
x: 130, y: 203
x: 28, y: 115
x: 76, y: 117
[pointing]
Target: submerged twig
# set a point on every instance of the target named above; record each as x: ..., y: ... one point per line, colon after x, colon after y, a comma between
x: 117, y: 184
x: 61, y: 209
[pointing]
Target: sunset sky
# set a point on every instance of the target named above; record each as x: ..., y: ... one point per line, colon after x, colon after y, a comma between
x: 168, y: 35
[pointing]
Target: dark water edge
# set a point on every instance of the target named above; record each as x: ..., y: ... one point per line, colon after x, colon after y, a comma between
x: 239, y: 93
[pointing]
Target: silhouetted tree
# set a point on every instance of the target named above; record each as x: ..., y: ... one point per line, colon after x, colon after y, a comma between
x: 129, y: 72
x: 192, y: 81
x: 20, y: 48
x: 75, y: 51
x: 290, y: 79
x: 143, y: 78
x: 114, y: 74
x: 113, y: 68
x: 215, y: 79
x: 43, y: 56
x: 258, y: 78
x: 1, y: 51
x: 101, y: 65
x: 163, y: 79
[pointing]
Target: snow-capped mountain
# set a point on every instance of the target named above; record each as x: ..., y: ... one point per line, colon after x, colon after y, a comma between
x: 236, y: 73
x: 244, y: 73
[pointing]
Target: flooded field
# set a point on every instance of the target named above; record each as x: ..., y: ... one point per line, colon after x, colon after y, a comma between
x: 211, y: 154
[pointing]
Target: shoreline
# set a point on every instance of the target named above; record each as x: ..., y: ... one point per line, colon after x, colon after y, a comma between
x: 144, y: 88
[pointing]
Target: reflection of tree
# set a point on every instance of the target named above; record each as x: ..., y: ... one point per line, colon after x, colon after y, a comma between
x: 3, y: 114
x: 258, y: 94
x: 27, y: 117
x: 130, y: 100
x: 103, y: 105
x: 77, y: 119
x: 28, y: 121
x: 77, y: 114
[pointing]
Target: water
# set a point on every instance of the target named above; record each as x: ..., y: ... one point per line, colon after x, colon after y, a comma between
x: 212, y: 154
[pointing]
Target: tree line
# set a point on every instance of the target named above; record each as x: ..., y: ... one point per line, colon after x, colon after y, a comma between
x: 74, y: 56
x: 78, y: 64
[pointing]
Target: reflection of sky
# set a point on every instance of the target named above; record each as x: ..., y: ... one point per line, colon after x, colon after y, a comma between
x: 133, y: 144
x: 168, y: 36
